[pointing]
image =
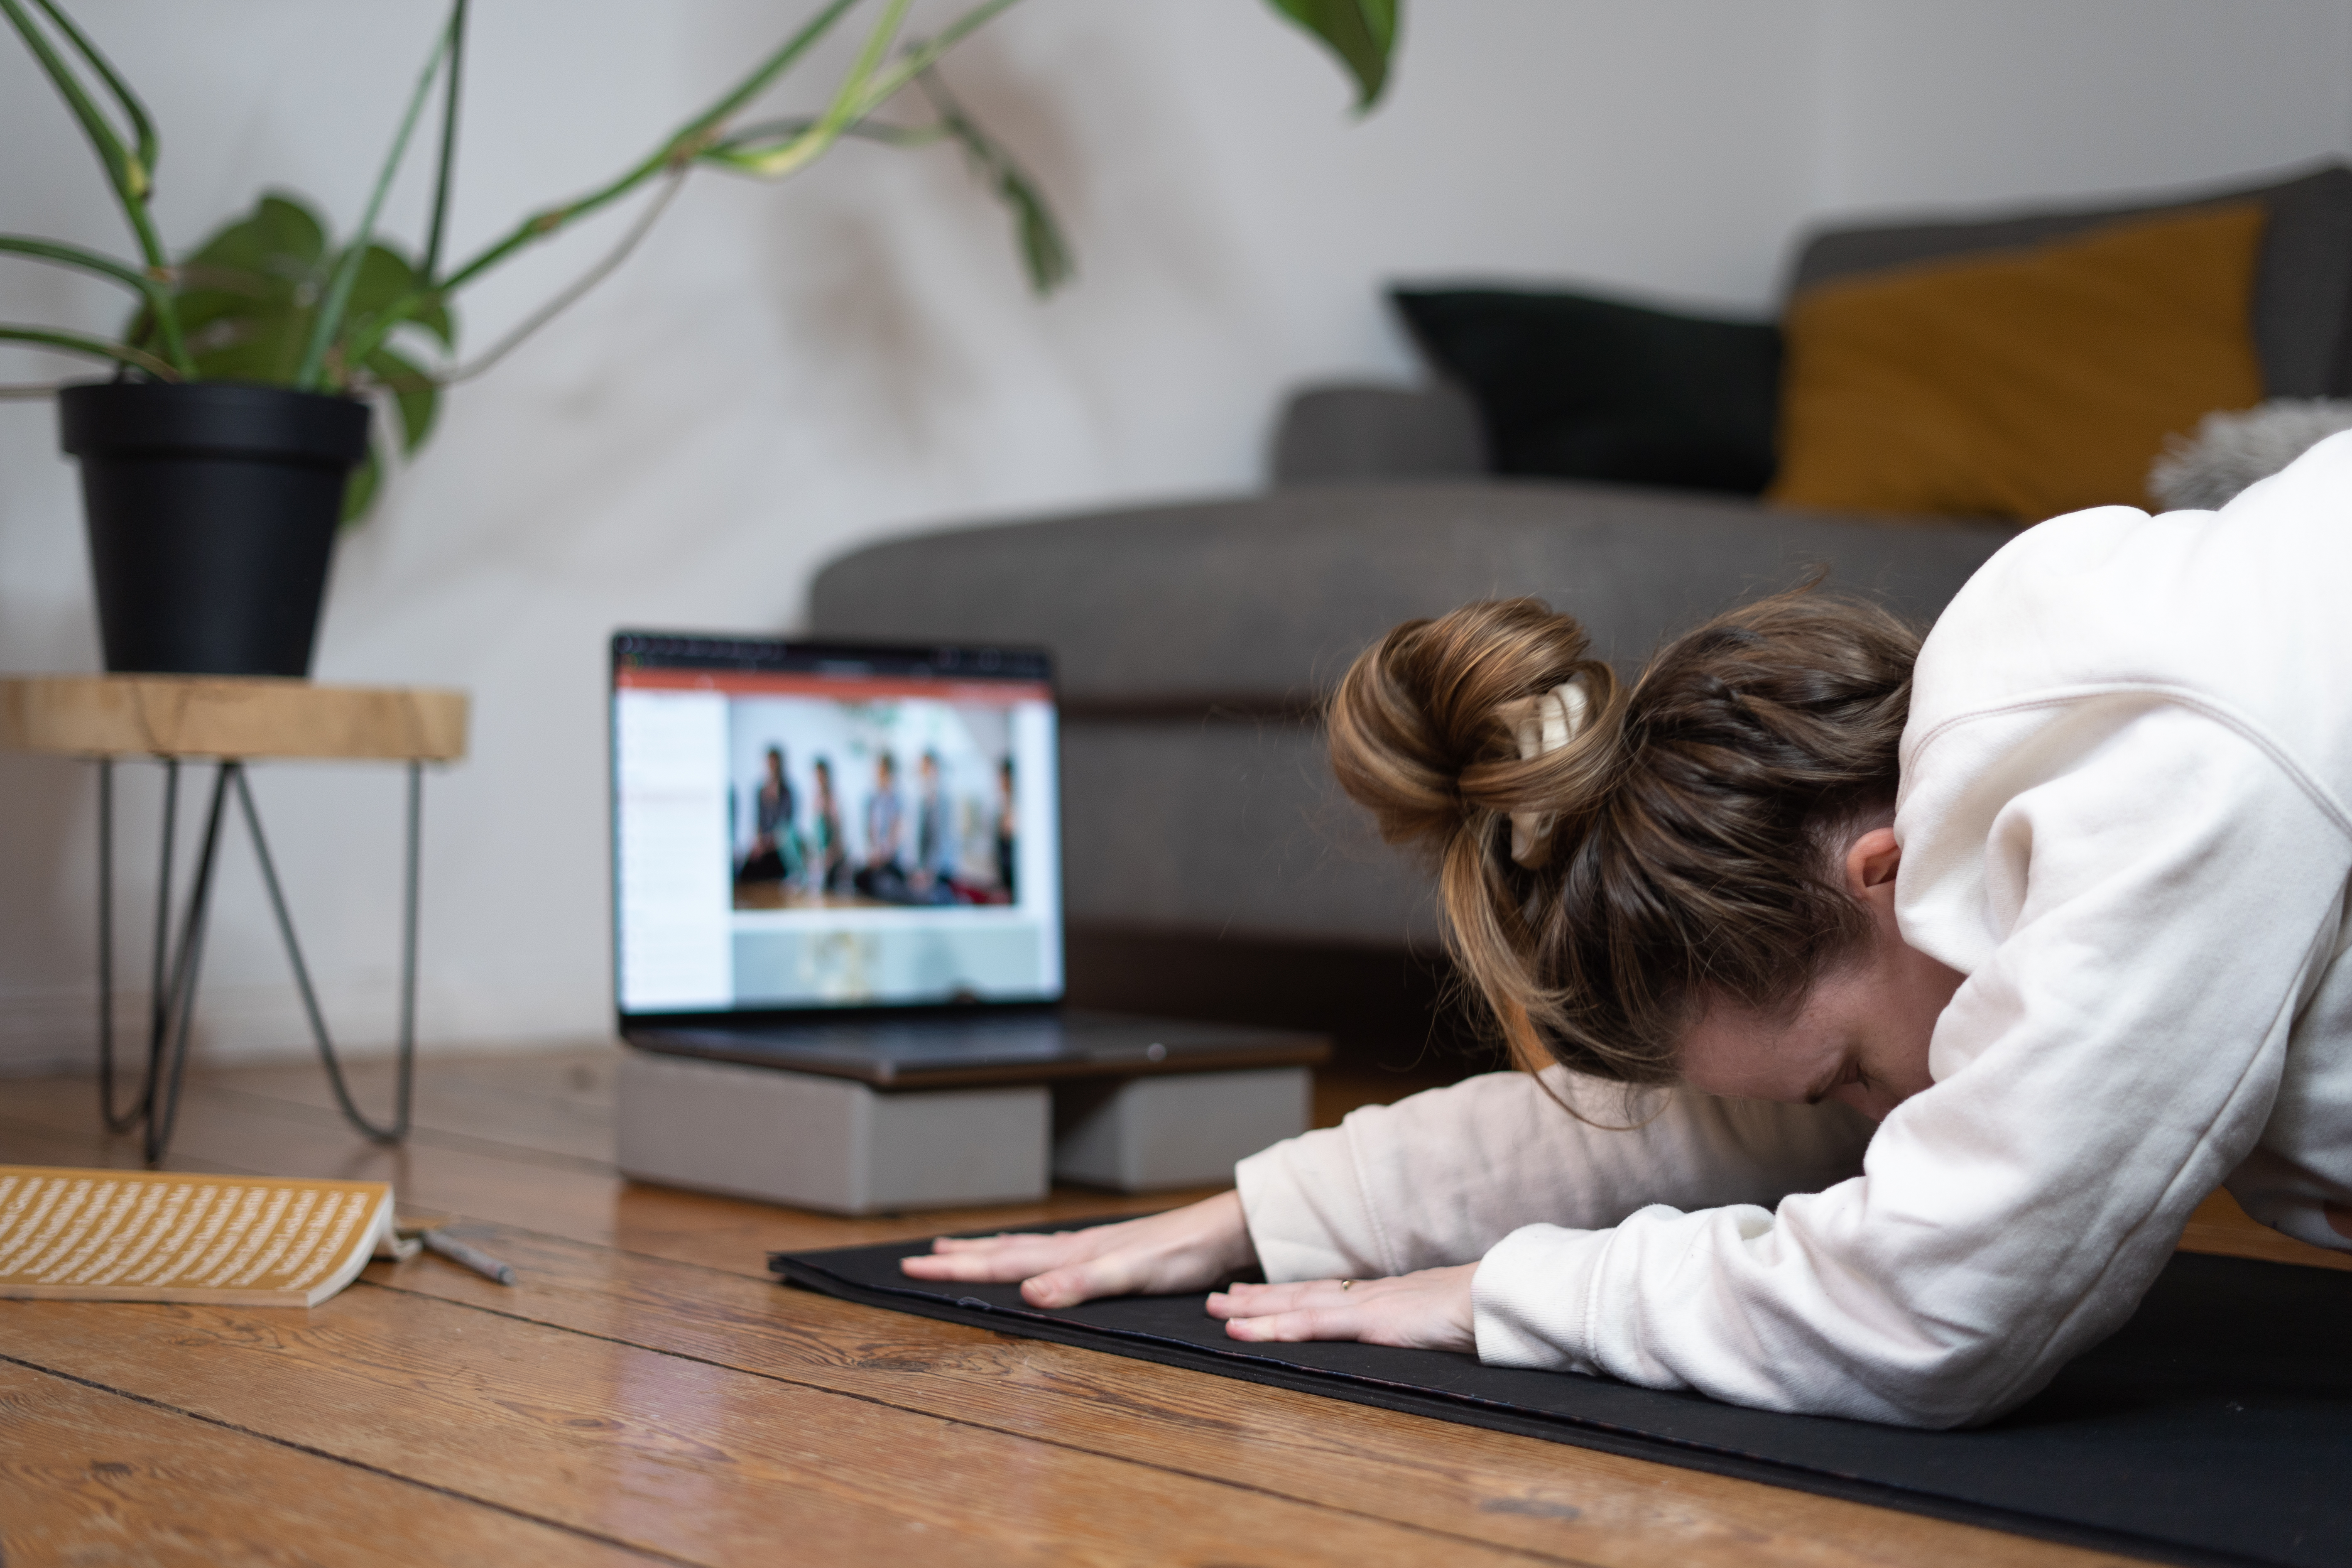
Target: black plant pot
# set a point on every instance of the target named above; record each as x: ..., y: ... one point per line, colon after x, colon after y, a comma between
x: 212, y: 509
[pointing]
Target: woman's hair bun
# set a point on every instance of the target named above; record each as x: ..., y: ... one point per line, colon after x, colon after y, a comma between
x: 1612, y: 861
x: 1424, y: 727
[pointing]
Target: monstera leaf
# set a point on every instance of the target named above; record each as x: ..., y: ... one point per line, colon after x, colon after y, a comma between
x: 250, y: 295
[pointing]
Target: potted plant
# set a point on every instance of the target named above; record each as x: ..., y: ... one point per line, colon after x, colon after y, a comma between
x: 235, y: 432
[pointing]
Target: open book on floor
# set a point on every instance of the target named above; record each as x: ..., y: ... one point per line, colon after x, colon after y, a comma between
x: 175, y: 1236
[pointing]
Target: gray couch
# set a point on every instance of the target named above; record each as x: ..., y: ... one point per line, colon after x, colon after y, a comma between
x: 1211, y: 865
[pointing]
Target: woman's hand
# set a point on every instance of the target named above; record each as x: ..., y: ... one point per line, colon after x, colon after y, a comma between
x: 1429, y: 1311
x: 1162, y: 1254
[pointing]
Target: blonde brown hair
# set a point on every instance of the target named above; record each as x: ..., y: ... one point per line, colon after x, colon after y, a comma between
x: 1694, y: 838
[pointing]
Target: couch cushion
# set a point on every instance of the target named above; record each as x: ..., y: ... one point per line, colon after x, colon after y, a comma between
x: 1348, y: 431
x: 2302, y: 313
x: 1572, y: 386
x: 2024, y: 383
x: 1229, y: 825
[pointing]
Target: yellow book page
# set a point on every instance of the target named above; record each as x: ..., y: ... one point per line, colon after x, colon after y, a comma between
x: 169, y: 1235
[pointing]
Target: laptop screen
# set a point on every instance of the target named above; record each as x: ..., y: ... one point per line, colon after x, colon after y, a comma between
x: 803, y: 826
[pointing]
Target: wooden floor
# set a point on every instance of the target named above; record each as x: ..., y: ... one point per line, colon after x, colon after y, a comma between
x: 644, y: 1393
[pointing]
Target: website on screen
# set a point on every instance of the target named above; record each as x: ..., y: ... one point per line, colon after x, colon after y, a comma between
x: 835, y: 836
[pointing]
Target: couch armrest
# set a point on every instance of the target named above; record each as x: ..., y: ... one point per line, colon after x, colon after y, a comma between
x: 1355, y: 433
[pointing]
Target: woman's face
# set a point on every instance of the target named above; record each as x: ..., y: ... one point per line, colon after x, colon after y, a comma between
x: 1859, y: 1036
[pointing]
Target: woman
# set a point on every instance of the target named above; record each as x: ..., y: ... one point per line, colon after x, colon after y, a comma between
x: 2059, y: 904
x: 1007, y: 827
x: 775, y: 854
x: 828, y: 859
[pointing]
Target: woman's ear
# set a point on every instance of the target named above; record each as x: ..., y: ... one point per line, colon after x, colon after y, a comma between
x: 1869, y: 863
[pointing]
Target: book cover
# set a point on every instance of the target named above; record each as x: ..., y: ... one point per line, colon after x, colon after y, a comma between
x: 174, y: 1236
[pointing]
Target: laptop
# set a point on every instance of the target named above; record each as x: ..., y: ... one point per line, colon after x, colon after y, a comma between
x: 846, y: 859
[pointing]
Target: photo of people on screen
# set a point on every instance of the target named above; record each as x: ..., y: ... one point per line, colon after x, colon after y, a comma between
x: 908, y: 802
x: 775, y: 853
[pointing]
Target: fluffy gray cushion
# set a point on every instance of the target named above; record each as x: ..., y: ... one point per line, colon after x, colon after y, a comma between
x: 2231, y: 450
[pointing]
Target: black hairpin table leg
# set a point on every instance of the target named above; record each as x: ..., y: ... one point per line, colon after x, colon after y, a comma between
x: 118, y: 1120
x: 404, y: 1076
x: 163, y: 977
x: 167, y: 1050
x: 170, y: 1016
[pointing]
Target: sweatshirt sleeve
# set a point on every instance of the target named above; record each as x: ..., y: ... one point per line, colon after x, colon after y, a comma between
x: 1438, y: 1178
x: 2152, y: 893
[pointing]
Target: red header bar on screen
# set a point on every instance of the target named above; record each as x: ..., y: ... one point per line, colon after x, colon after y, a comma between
x: 836, y: 687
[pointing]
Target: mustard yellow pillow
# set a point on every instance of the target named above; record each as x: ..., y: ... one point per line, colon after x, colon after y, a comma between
x: 2023, y: 384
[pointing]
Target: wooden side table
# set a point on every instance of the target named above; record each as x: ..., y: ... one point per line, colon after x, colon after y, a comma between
x: 231, y: 720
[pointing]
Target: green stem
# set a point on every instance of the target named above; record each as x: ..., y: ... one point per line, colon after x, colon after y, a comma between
x: 558, y: 305
x: 917, y: 61
x: 443, y: 176
x: 143, y: 129
x: 156, y: 298
x: 1043, y: 249
x: 330, y: 319
x: 761, y: 76
x: 842, y: 109
x: 124, y: 174
x: 865, y: 90
x: 682, y: 146
x: 848, y: 105
x: 97, y: 348
x: 121, y: 170
x: 754, y: 140
x: 76, y: 256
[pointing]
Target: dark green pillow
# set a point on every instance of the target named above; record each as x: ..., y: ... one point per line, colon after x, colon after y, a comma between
x: 1576, y: 387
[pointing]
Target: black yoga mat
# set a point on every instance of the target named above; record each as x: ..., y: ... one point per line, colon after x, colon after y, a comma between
x: 2215, y: 1428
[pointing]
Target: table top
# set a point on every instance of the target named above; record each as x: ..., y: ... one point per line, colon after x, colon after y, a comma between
x: 230, y: 716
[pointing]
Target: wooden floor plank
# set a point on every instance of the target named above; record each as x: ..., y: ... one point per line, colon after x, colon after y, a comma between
x: 696, y: 1461
x: 1439, y: 1476
x: 554, y: 1103
x: 2220, y: 1226
x: 89, y: 1477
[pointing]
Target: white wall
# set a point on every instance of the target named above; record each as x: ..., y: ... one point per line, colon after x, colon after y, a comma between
x: 783, y: 373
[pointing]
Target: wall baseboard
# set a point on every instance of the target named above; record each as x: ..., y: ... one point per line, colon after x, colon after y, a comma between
x: 53, y: 1032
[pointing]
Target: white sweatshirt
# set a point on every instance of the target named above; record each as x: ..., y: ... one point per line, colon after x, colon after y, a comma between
x: 2122, y: 817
